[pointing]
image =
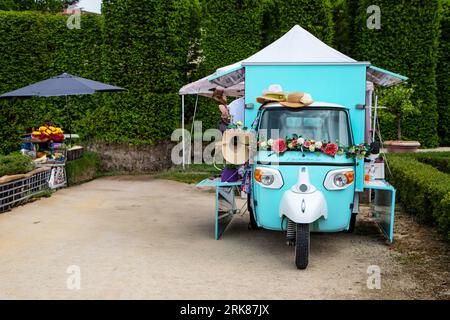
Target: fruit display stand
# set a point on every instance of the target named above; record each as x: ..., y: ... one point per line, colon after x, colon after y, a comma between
x: 16, y: 189
x: 53, y: 159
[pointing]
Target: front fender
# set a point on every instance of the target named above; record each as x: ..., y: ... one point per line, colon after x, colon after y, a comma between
x: 303, y: 207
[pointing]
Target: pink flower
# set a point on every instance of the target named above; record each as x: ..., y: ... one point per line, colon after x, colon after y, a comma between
x: 331, y: 149
x: 279, y: 146
x: 307, y: 144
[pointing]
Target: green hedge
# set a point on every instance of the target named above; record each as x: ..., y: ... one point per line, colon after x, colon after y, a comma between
x: 40, y: 5
x: 145, y: 46
x: 153, y: 47
x: 47, y: 48
x: 443, y: 77
x: 231, y: 31
x: 407, y: 43
x: 439, y: 160
x: 148, y: 47
x: 15, y: 163
x: 316, y: 16
x: 423, y: 190
x: 83, y: 169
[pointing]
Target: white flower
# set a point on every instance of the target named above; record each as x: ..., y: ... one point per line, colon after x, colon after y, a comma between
x: 270, y: 142
x: 263, y: 144
x: 312, y: 148
x: 318, y: 144
x: 300, y: 141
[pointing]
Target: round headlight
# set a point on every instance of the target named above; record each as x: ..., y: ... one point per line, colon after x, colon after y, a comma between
x: 267, y: 179
x: 340, y: 180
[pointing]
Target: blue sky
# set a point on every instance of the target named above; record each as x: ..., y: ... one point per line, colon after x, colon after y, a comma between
x: 90, y: 5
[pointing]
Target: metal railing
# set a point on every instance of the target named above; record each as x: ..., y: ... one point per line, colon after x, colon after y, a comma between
x: 16, y: 192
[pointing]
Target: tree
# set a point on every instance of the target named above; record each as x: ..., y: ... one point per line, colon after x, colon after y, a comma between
x: 36, y: 5
x: 398, y: 102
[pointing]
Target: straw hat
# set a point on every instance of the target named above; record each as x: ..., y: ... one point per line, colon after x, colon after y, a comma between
x: 235, y: 146
x: 273, y: 93
x: 307, y: 99
x: 297, y: 100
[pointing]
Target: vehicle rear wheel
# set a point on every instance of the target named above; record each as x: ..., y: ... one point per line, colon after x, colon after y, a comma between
x: 302, y: 245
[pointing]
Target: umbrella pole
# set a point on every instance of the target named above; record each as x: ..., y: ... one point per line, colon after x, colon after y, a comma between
x: 70, y: 122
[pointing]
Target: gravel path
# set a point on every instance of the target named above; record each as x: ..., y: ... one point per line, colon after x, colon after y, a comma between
x: 139, y: 238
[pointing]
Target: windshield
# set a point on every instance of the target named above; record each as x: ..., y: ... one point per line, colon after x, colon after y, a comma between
x: 327, y: 125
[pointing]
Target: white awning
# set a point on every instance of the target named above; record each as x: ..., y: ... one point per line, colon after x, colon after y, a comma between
x: 229, y: 78
x: 383, y: 77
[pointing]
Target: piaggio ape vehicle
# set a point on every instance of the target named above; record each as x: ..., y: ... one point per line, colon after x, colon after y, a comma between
x: 308, y: 175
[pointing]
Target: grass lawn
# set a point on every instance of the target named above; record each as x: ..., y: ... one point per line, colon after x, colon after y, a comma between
x: 193, y: 173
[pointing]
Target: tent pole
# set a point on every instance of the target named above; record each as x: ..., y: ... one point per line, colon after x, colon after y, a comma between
x: 182, y: 132
x: 375, y: 118
x: 193, y: 119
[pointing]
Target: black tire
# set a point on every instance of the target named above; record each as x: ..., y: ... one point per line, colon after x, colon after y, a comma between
x: 351, y: 227
x: 302, y: 246
x: 252, y: 224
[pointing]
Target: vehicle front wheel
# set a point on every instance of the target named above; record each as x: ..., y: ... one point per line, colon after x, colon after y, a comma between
x: 351, y: 227
x: 302, y: 245
x: 252, y: 224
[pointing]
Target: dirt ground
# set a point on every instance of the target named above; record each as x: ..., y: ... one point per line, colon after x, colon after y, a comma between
x: 140, y: 238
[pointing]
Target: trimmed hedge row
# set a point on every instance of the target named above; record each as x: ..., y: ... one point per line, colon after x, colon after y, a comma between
x: 83, y: 169
x: 423, y: 190
x: 407, y: 43
x: 439, y: 160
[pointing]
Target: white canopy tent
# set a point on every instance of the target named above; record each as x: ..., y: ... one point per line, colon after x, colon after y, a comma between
x: 296, y: 47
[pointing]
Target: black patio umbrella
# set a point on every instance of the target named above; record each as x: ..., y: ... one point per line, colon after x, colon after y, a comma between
x: 62, y: 85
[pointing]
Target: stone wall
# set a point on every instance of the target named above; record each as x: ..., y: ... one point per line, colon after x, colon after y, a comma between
x: 133, y: 159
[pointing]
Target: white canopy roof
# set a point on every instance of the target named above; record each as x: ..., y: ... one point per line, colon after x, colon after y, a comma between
x: 297, y: 47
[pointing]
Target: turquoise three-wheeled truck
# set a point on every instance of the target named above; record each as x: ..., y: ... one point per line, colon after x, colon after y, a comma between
x: 296, y: 191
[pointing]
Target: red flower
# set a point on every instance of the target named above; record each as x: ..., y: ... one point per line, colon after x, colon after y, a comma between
x: 294, y: 142
x: 279, y: 146
x: 331, y: 149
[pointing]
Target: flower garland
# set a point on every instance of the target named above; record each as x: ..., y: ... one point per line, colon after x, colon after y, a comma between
x: 298, y: 143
